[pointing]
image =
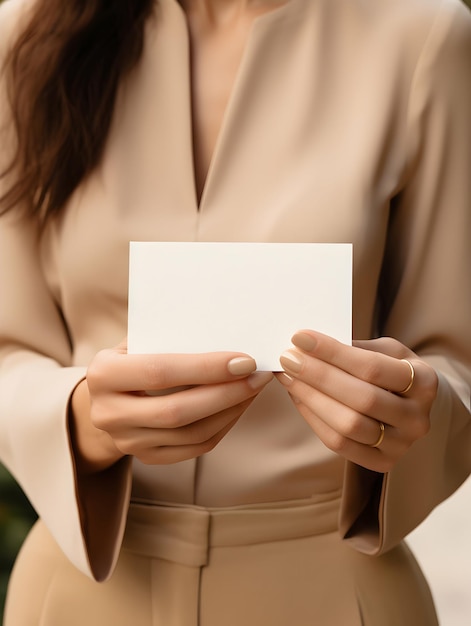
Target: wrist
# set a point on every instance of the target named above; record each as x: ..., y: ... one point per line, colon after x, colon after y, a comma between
x: 93, y: 449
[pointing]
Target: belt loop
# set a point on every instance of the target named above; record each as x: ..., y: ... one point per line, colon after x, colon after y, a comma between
x: 178, y: 534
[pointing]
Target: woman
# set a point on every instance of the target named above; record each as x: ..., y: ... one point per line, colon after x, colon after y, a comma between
x: 243, y: 497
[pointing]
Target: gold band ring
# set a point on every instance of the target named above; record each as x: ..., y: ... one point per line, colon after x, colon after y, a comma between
x: 380, y: 438
x: 412, y: 377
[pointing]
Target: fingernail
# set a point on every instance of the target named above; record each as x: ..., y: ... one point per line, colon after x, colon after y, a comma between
x: 241, y: 365
x: 259, y: 379
x: 284, y: 379
x: 304, y: 341
x: 291, y: 361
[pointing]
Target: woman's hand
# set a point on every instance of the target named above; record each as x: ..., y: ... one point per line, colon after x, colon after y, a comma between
x: 359, y: 399
x: 160, y: 408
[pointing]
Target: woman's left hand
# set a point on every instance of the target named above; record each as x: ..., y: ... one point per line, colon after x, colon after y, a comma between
x: 368, y: 402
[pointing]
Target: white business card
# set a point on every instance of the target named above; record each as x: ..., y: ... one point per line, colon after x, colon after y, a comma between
x: 243, y: 297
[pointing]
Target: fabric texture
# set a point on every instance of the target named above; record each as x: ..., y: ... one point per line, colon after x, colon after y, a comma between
x: 349, y: 121
x: 188, y: 566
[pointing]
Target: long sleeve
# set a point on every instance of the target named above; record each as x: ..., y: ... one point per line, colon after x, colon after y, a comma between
x: 426, y: 291
x: 36, y: 381
x: 280, y: 161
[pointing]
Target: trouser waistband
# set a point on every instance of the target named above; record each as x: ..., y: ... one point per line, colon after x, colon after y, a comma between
x: 185, y: 533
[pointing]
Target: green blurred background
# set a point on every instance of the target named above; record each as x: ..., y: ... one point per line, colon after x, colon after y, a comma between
x: 16, y: 518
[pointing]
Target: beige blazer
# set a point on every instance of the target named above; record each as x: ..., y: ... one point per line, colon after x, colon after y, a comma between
x: 349, y: 122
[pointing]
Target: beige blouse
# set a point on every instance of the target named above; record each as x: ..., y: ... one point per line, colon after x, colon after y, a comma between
x: 349, y: 121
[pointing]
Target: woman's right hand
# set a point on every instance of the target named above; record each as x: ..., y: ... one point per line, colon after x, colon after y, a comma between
x: 159, y: 408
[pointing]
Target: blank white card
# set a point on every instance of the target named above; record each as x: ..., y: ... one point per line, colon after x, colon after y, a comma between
x: 243, y: 297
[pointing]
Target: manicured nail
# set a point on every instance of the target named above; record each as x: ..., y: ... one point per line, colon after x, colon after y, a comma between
x: 241, y: 366
x: 284, y: 379
x: 304, y: 341
x: 259, y: 379
x: 291, y: 361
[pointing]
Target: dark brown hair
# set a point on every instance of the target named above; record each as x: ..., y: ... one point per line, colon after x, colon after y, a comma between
x: 62, y: 78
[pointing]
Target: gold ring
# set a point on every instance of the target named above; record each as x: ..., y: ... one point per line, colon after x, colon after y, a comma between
x: 412, y: 377
x: 380, y: 438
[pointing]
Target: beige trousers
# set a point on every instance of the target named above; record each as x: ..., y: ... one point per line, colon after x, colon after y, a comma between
x: 270, y: 565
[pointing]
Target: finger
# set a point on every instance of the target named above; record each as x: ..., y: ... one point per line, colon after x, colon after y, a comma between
x: 373, y: 367
x: 341, y: 418
x: 344, y: 401
x: 362, y: 397
x: 117, y: 370
x: 385, y: 345
x: 376, y: 459
x: 165, y: 455
x: 137, y: 440
x: 407, y: 420
x: 177, y: 409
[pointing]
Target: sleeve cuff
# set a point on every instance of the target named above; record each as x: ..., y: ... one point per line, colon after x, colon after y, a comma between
x: 85, y: 516
x: 378, y: 511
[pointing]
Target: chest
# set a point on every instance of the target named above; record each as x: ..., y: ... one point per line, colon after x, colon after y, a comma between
x: 217, y: 48
x: 272, y: 141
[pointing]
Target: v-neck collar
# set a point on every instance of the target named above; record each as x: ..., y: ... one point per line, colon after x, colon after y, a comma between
x: 229, y: 117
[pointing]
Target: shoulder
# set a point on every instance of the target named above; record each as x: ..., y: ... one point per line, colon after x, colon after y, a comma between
x: 409, y: 22
x: 425, y: 20
x: 413, y: 12
x: 425, y: 35
x: 395, y: 30
x: 445, y: 33
x: 437, y: 18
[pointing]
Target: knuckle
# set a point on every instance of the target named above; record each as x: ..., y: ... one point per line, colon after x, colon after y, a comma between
x: 128, y: 450
x: 426, y: 425
x: 429, y: 396
x: 354, y: 425
x: 106, y: 413
x: 126, y: 446
x: 100, y: 416
x: 420, y: 426
x: 322, y: 376
x: 170, y: 414
x: 371, y: 371
x: 368, y: 403
x: 97, y: 371
x: 336, y: 442
x: 430, y: 383
x: 393, y: 347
